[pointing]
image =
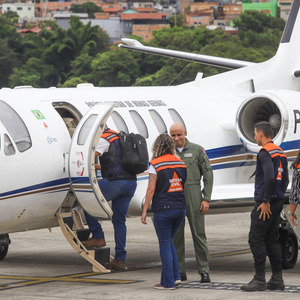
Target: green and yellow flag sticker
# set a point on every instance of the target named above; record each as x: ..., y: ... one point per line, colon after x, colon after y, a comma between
x: 38, y: 114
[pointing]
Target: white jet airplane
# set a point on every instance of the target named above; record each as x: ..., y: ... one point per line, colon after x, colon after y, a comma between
x: 48, y: 136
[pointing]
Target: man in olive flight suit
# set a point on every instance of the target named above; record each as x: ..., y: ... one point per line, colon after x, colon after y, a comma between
x: 197, y: 200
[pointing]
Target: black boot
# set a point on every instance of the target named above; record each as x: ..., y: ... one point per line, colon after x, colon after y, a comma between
x: 276, y: 282
x: 256, y: 284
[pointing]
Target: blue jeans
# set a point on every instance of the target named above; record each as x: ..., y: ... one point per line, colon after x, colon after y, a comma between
x: 120, y: 193
x: 166, y: 224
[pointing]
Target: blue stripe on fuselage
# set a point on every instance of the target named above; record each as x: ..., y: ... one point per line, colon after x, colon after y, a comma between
x: 221, y: 152
x: 240, y: 149
x: 39, y: 186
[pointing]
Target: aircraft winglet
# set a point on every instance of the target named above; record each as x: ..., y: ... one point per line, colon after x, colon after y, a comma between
x: 226, y: 63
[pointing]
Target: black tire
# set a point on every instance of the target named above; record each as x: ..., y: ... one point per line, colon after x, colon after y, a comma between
x: 289, y: 248
x: 3, y: 251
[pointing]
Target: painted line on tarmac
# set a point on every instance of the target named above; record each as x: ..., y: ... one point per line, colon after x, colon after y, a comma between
x: 223, y: 254
x: 34, y: 280
x: 231, y: 253
x: 293, y: 289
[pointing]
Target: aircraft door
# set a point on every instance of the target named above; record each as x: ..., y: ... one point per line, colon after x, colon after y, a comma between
x: 82, y: 161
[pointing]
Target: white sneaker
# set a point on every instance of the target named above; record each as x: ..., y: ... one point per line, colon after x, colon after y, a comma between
x: 177, y: 282
x: 160, y: 287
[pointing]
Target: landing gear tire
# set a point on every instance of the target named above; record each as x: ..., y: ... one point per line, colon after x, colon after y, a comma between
x: 3, y: 252
x: 289, y: 248
x: 4, y: 243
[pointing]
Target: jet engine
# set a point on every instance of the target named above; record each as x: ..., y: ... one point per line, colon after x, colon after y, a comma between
x: 262, y: 107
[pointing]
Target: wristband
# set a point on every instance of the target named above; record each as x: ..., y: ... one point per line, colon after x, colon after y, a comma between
x: 292, y: 215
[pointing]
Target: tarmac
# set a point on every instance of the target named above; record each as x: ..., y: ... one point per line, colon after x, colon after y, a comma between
x: 42, y: 265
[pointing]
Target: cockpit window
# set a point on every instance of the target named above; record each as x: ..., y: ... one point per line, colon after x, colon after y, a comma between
x: 9, y: 148
x: 119, y: 122
x: 15, y: 127
x: 158, y: 121
x: 139, y: 123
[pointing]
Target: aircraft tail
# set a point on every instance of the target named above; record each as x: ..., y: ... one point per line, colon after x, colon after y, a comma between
x: 289, y: 46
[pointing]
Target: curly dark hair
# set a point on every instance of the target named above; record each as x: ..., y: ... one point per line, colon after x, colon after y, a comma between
x: 163, y: 145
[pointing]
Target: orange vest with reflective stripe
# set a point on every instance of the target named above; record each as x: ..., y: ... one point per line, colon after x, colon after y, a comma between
x: 110, y: 135
x: 279, y: 160
x: 171, y: 176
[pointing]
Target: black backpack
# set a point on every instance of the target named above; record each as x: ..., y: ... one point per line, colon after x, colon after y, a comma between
x: 134, y: 150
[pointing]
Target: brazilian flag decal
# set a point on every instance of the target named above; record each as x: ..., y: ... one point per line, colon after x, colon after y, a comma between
x: 38, y: 114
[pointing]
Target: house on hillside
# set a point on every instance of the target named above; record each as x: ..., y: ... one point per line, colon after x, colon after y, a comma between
x: 24, y: 10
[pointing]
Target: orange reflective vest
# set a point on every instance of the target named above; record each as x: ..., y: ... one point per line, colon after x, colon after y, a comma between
x: 279, y: 160
x: 171, y: 176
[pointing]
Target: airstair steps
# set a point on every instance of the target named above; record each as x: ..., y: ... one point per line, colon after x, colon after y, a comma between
x: 73, y: 229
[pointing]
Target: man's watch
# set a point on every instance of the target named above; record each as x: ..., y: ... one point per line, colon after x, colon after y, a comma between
x: 292, y: 215
x: 265, y: 201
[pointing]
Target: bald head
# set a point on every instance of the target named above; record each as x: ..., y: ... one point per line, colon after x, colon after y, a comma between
x: 178, y: 133
x: 177, y: 126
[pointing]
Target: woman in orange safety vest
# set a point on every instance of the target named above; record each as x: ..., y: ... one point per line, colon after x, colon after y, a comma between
x: 167, y: 175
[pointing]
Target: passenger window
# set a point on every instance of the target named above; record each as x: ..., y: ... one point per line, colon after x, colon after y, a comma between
x: 85, y: 129
x: 119, y: 122
x: 9, y: 148
x: 176, y: 116
x: 158, y: 121
x: 139, y: 123
x: 15, y: 127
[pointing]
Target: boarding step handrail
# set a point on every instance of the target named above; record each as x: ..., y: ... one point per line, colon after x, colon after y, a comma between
x: 76, y: 244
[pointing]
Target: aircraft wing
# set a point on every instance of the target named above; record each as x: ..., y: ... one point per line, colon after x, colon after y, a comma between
x: 214, y: 61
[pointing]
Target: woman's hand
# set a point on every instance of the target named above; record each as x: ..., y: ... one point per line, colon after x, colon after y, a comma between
x: 149, y: 195
x: 293, y: 219
x: 143, y: 217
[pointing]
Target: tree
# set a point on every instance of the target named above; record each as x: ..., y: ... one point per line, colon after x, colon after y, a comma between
x: 11, y: 14
x: 57, y: 55
x: 9, y: 32
x: 115, y: 68
x: 89, y: 7
x: 176, y: 20
x: 257, y: 29
x: 34, y: 73
x: 252, y: 20
x: 8, y: 60
x: 184, y: 39
x: 10, y: 48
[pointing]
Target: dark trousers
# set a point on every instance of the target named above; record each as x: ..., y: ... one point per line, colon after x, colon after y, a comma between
x: 166, y: 224
x: 263, y: 238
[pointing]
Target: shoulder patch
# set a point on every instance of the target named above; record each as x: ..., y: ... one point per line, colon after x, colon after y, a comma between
x: 203, y: 151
